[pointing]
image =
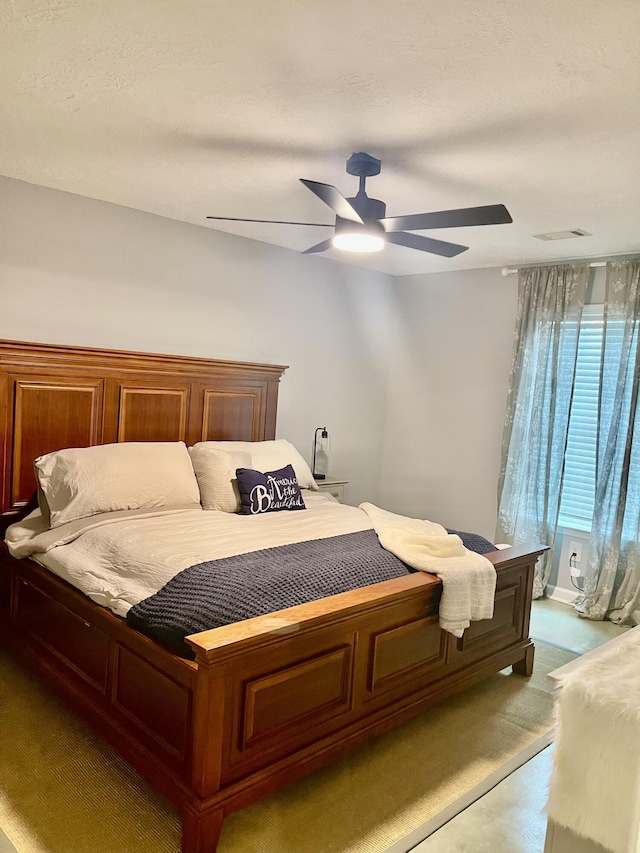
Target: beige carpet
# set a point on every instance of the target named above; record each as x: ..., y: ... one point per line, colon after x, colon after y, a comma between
x: 63, y: 790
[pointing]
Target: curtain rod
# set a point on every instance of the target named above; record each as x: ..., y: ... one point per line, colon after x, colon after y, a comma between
x: 512, y: 271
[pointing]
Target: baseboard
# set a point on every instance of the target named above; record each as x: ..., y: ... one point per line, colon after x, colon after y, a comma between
x: 564, y: 596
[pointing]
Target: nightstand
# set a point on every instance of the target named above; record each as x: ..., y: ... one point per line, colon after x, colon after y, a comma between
x: 335, y: 486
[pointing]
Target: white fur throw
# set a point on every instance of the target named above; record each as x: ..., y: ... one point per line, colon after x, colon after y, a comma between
x: 468, y: 579
x: 595, y: 787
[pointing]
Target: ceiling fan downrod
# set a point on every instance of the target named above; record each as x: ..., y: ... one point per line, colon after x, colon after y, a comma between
x: 363, y: 166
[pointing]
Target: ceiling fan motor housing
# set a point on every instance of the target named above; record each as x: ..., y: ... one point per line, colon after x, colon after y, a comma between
x: 369, y: 226
x: 363, y: 165
x: 368, y: 208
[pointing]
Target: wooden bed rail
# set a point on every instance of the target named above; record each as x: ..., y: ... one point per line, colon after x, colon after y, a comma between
x: 214, y: 645
x: 514, y: 554
x: 218, y: 643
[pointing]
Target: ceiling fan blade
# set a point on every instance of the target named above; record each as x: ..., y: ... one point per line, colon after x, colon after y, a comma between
x: 334, y: 198
x: 425, y: 244
x: 273, y: 221
x: 319, y: 247
x: 490, y: 214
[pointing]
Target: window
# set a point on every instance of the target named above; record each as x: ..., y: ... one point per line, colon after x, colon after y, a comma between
x: 578, y: 490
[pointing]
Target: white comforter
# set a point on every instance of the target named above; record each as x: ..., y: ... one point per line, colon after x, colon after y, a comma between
x: 120, y: 558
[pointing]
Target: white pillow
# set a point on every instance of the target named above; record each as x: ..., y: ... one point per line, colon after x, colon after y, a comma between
x: 216, y: 473
x: 270, y: 456
x: 84, y: 481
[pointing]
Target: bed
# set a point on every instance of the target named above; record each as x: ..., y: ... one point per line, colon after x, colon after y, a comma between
x: 265, y: 700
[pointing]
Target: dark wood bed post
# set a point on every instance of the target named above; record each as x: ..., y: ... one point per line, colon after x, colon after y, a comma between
x: 201, y: 830
x: 202, y: 820
x: 525, y: 666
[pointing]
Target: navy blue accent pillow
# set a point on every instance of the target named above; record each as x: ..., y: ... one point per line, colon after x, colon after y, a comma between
x: 268, y: 492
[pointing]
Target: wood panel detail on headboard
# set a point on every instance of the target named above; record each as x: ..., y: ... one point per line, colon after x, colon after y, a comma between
x: 227, y: 411
x: 48, y: 416
x: 53, y: 397
x: 153, y: 414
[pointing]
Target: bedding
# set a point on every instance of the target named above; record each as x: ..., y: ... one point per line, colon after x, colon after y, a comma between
x: 268, y: 456
x: 221, y: 592
x: 117, y: 559
x: 468, y: 579
x: 122, y: 558
x: 216, y: 474
x: 475, y: 542
x: 83, y: 481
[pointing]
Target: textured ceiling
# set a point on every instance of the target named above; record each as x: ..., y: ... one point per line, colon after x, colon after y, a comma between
x: 199, y: 107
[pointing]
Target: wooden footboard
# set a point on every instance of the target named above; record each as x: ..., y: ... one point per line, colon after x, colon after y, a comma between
x: 269, y: 699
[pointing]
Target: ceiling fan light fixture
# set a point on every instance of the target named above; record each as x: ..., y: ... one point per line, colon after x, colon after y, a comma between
x: 365, y: 237
x: 358, y: 241
x: 362, y: 225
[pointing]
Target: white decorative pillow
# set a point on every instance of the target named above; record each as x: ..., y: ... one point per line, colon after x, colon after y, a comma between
x: 216, y: 473
x: 83, y: 481
x: 270, y: 456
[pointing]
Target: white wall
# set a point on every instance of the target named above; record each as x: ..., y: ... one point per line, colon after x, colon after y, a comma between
x: 450, y: 355
x: 78, y: 271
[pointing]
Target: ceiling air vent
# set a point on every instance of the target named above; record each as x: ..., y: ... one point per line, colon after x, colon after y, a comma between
x: 563, y: 235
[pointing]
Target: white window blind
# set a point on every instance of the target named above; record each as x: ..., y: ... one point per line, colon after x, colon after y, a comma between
x: 578, y: 490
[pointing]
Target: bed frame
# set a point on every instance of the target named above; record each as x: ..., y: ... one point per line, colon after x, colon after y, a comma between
x: 266, y: 700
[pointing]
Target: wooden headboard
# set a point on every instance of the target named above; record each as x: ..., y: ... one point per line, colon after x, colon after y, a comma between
x: 53, y: 397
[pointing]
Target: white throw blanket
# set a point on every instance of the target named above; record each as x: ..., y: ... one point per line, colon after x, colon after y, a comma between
x: 468, y: 579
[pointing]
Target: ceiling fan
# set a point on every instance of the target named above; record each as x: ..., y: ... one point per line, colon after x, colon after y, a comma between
x: 362, y: 225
